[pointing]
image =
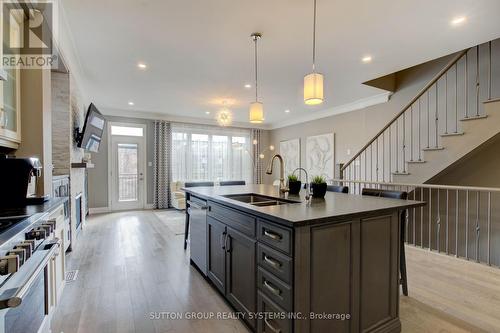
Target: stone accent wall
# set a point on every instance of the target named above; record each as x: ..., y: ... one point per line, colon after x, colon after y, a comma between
x: 61, y: 124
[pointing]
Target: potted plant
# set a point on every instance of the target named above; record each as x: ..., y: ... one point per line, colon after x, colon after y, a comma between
x: 318, y: 187
x: 294, y: 184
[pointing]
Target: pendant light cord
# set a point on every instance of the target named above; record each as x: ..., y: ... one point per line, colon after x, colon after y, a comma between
x: 314, y: 38
x: 255, y: 38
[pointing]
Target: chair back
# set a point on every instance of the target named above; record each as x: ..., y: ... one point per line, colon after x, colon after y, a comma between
x: 338, y: 189
x: 385, y: 193
x: 198, y: 184
x: 232, y: 182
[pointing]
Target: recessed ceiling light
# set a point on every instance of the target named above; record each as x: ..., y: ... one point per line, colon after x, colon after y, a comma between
x: 248, y: 86
x: 131, y: 103
x: 142, y: 65
x: 207, y: 112
x: 287, y: 111
x: 458, y: 20
x: 366, y: 59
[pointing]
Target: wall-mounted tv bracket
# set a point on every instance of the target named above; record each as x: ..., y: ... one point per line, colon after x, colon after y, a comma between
x: 78, y: 135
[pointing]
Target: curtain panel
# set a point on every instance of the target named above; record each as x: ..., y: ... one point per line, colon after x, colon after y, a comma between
x: 162, y: 164
x: 257, y: 162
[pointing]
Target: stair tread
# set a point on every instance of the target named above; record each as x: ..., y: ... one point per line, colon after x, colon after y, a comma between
x: 415, y: 161
x: 400, y: 173
x: 474, y: 117
x: 432, y: 148
x: 453, y: 134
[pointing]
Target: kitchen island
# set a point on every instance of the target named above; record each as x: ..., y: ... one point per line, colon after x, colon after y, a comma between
x: 288, y: 266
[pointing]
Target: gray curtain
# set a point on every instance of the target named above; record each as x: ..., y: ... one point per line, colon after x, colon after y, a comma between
x: 256, y: 149
x: 162, y: 164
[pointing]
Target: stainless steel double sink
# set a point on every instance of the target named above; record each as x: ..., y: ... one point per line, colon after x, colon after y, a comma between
x: 259, y: 200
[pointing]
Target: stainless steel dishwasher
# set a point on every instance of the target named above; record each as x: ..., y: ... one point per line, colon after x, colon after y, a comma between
x: 197, y: 210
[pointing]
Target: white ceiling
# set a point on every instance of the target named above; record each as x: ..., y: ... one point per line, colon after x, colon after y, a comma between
x: 199, y: 53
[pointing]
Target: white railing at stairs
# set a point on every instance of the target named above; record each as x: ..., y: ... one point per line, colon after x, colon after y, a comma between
x: 460, y: 221
x: 455, y: 94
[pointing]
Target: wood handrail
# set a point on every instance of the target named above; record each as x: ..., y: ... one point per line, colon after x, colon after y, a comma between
x: 452, y: 62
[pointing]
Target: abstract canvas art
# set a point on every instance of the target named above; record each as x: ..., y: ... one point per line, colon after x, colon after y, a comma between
x: 290, y: 151
x: 320, y: 155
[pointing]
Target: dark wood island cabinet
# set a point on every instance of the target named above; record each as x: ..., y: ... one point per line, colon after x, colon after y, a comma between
x: 328, y: 266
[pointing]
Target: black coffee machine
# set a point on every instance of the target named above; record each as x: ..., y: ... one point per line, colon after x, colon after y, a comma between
x: 18, y: 177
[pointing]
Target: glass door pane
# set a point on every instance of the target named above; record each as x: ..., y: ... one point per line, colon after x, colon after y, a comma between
x: 128, y: 172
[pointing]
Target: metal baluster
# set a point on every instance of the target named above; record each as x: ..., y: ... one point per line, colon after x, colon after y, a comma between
x: 428, y: 118
x: 447, y: 221
x: 456, y: 98
x: 478, y: 228
x: 489, y: 70
x: 467, y: 224
x: 390, y: 153
x: 404, y: 142
x: 383, y: 157
x: 414, y: 218
x: 376, y: 155
x: 419, y: 129
x: 411, y: 132
x: 437, y: 114
x: 477, y: 81
x: 457, y: 207
x: 446, y: 103
x: 422, y: 219
x: 488, y: 257
x: 430, y: 219
x: 371, y: 162
x: 466, y: 86
x: 438, y: 223
x: 397, y: 146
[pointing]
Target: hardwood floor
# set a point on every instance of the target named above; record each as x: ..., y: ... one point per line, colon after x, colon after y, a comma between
x: 133, y: 271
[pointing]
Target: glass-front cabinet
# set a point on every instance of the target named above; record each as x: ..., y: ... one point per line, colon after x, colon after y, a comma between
x: 10, y: 99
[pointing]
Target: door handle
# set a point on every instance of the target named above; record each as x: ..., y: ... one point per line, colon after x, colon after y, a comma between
x: 223, y: 240
x: 228, y: 248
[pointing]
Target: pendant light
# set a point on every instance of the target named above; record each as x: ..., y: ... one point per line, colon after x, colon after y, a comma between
x: 256, y: 108
x: 313, y: 82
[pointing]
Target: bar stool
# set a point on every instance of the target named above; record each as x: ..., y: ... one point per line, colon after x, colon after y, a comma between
x: 338, y: 189
x: 402, y: 259
x: 186, y: 225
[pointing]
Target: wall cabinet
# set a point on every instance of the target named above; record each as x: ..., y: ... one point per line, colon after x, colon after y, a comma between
x: 10, y: 96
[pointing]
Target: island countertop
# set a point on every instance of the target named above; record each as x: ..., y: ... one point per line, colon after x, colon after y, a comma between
x: 334, y: 207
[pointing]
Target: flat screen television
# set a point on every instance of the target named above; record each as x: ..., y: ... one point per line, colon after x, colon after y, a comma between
x: 91, y: 135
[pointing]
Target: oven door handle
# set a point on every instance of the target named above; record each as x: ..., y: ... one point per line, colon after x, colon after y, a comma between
x: 17, y: 298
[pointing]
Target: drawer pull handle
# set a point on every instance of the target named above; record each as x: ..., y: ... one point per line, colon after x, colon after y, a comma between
x: 271, y: 327
x: 272, y: 235
x: 273, y: 262
x: 272, y: 289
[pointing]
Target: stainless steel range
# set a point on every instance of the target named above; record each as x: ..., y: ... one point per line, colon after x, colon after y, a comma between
x: 28, y: 249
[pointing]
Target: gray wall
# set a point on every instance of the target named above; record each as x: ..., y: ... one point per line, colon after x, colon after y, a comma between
x: 354, y: 129
x: 98, y: 176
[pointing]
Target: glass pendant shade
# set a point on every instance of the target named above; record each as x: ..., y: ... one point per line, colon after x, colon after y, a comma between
x: 313, y: 89
x: 256, y: 113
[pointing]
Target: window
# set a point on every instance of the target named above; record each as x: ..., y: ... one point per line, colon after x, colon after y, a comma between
x: 127, y: 131
x: 210, y: 154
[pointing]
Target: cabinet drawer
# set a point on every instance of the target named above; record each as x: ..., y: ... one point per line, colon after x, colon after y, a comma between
x: 275, y: 262
x: 198, y: 201
x: 274, y: 319
x: 276, y: 290
x: 275, y: 236
x: 236, y: 220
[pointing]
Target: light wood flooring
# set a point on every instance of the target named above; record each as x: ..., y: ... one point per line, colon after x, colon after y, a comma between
x: 132, y: 267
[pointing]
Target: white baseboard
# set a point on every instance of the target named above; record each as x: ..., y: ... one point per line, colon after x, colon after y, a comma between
x: 149, y: 206
x: 99, y: 210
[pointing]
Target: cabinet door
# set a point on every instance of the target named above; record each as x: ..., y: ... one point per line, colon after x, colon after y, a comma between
x: 216, y: 270
x: 240, y: 272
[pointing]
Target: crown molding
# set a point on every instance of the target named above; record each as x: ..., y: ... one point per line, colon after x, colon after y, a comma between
x: 353, y: 106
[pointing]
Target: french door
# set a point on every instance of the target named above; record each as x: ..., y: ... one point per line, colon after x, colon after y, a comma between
x: 127, y: 172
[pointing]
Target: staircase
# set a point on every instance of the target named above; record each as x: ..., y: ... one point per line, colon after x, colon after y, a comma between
x: 450, y: 117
